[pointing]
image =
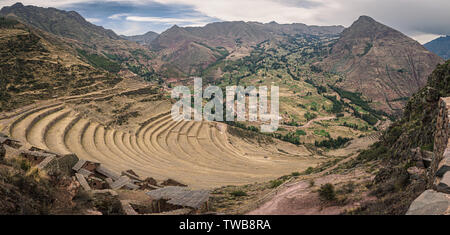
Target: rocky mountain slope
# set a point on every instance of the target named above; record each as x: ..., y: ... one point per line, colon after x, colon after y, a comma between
x: 187, y: 51
x: 405, y: 149
x: 381, y: 63
x: 66, y: 24
x: 100, y: 47
x: 440, y: 46
x: 35, y: 65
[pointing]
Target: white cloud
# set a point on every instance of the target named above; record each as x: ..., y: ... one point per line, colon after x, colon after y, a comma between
x: 118, y: 16
x: 167, y: 20
x: 94, y: 20
x: 424, y: 38
x: 249, y: 10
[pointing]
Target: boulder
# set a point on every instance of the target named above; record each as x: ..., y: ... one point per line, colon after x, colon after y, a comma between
x: 444, y: 184
x: 430, y: 202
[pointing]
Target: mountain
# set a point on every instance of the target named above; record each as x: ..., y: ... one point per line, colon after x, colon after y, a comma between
x: 383, y: 64
x: 189, y: 50
x: 68, y: 24
x: 144, y: 39
x: 35, y: 65
x: 99, y: 47
x: 440, y: 46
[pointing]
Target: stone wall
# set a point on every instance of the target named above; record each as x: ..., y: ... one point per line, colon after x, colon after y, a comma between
x: 436, y: 200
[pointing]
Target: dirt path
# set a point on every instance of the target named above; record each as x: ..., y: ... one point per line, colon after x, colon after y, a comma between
x: 299, y: 197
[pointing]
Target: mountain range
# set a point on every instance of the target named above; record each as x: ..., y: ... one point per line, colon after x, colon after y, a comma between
x: 144, y: 39
x: 440, y: 46
x: 368, y: 54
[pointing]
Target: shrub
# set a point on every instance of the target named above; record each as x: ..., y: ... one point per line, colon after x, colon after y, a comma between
x: 300, y: 132
x: 238, y: 193
x: 308, y: 171
x: 100, y: 61
x: 327, y: 192
x: 349, y: 187
x: 332, y: 143
x: 322, y: 133
x: 275, y: 183
x: 295, y: 174
x: 310, y: 116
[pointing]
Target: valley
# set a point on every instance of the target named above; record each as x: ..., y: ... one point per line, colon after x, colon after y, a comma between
x: 348, y: 122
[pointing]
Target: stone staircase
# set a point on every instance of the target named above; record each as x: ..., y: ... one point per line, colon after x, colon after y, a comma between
x: 436, y: 200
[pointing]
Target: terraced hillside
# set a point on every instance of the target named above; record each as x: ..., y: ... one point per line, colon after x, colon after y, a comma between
x: 199, y: 154
x: 37, y: 66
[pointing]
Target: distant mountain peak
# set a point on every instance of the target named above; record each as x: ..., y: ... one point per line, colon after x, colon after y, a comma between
x: 440, y: 46
x: 365, y: 21
x: 144, y: 39
x: 365, y: 18
x: 17, y: 5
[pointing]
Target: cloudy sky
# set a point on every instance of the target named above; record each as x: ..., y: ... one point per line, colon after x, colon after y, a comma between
x: 420, y: 19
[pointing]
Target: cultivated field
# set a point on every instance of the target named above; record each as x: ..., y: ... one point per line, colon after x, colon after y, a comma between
x: 199, y: 154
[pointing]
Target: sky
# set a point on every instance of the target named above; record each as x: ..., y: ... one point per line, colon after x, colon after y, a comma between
x: 419, y: 19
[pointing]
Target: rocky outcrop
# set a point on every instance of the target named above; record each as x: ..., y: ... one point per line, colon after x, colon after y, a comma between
x: 436, y: 201
x: 430, y: 203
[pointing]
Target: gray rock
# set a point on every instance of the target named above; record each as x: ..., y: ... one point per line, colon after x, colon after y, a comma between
x: 83, y: 182
x: 118, y: 184
x: 430, y: 202
x: 444, y: 167
x: 444, y: 184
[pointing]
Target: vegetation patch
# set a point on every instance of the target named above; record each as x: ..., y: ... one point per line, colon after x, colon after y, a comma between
x: 99, y: 61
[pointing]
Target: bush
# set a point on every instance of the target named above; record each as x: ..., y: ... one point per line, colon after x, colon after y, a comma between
x: 310, y: 116
x: 275, y: 183
x: 308, y: 171
x: 238, y: 193
x: 100, y: 61
x: 337, y: 105
x: 300, y: 132
x: 333, y: 143
x: 349, y: 187
x: 327, y: 192
x: 295, y: 174
x: 322, y: 133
